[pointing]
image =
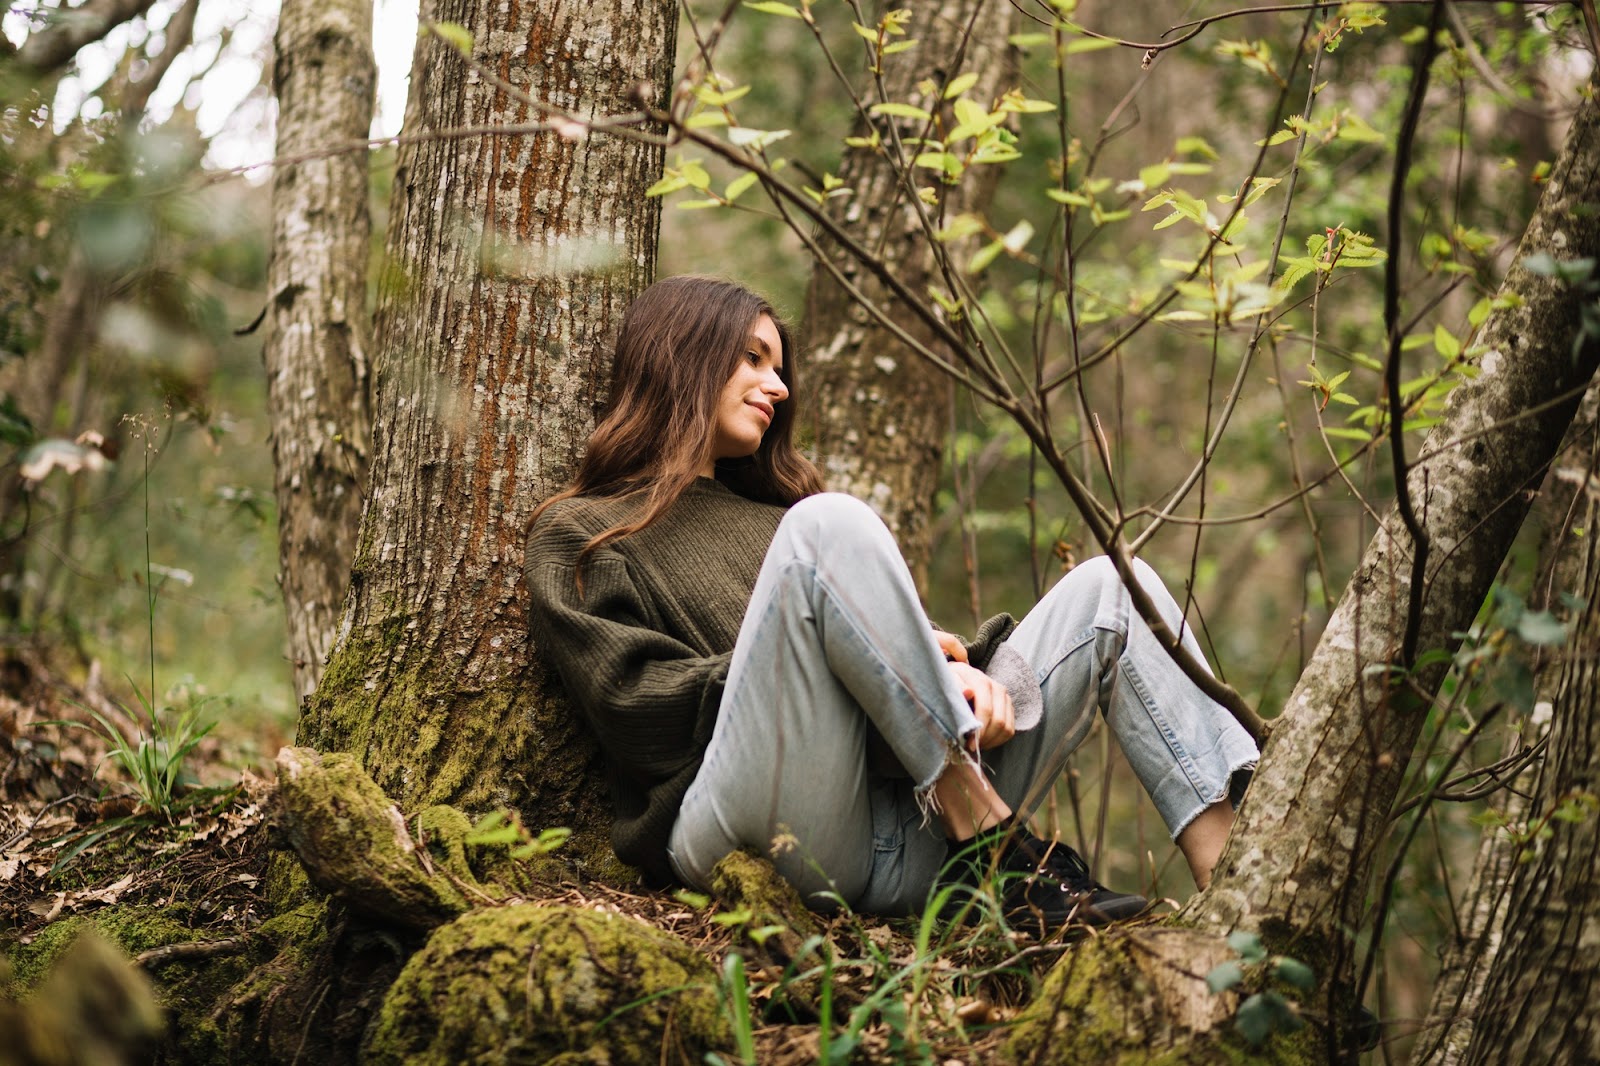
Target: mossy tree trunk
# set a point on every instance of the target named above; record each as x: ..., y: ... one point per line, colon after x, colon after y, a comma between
x: 317, y: 322
x: 880, y: 415
x: 1298, y: 864
x: 510, y: 259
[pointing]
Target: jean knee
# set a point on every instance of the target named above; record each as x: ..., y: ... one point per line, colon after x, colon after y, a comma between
x: 1091, y: 581
x: 832, y: 517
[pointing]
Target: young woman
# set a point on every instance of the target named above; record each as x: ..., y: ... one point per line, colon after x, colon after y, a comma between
x: 753, y: 657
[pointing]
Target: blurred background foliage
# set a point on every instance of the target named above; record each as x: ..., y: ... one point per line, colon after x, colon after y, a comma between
x: 132, y: 265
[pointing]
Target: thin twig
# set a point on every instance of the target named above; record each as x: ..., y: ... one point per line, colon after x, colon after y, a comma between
x: 1391, y: 323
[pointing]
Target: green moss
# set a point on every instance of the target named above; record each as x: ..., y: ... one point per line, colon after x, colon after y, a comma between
x: 350, y: 839
x: 133, y: 929
x: 744, y: 881
x: 534, y: 984
x: 512, y: 743
x: 1116, y: 1002
x: 286, y: 885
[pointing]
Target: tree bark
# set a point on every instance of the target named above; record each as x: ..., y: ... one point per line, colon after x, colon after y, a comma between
x: 1536, y: 1004
x: 1458, y: 994
x: 317, y: 320
x: 878, y: 414
x: 511, y: 257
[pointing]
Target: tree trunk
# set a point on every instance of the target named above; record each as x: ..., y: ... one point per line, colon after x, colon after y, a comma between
x: 1536, y: 1004
x: 511, y: 257
x: 878, y: 413
x: 1298, y: 862
x: 317, y: 322
x: 1457, y: 999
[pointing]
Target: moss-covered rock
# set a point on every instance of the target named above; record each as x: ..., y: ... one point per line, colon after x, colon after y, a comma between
x: 1137, y: 997
x: 743, y: 881
x: 92, y: 1008
x: 355, y: 844
x: 535, y: 984
x: 133, y: 929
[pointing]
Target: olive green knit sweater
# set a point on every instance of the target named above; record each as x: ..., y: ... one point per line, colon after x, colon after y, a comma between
x: 644, y: 648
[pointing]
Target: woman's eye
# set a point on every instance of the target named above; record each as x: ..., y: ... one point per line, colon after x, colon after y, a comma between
x: 754, y: 357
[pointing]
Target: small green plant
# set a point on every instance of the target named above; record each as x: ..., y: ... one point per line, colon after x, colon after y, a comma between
x: 1267, y: 1010
x: 154, y: 752
x: 505, y: 828
x: 733, y: 988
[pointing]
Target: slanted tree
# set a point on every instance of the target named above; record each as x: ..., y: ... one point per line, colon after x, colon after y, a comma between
x: 1297, y: 866
x: 1536, y: 1000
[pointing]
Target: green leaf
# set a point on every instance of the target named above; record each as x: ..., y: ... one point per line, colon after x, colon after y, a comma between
x: 1541, y: 627
x: 707, y: 120
x: 1061, y: 196
x: 960, y: 85
x: 453, y: 34
x: 984, y: 256
x: 896, y: 47
x: 1248, y: 945
x: 719, y: 97
x: 1480, y: 312
x: 1294, y: 972
x: 1195, y: 146
x: 959, y: 227
x: 739, y: 186
x: 1155, y: 174
x: 671, y: 183
x: 895, y: 110
x: 1445, y: 343
x: 552, y: 838
x: 1027, y: 40
x: 1352, y: 127
x: 865, y: 32
x: 1224, y: 976
x: 772, y: 7
x: 1088, y: 44
x: 1255, y: 1020
x: 697, y: 205
x: 943, y: 162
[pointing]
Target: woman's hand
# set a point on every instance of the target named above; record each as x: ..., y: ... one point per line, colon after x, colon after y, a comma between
x: 991, y: 703
x: 951, y: 645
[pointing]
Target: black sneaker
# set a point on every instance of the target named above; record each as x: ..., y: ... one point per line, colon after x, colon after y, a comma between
x: 1042, y: 885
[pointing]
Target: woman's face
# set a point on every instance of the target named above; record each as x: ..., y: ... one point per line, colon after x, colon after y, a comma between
x: 748, y: 401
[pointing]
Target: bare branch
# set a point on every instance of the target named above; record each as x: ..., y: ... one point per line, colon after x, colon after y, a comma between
x: 1391, y: 324
x: 69, y: 29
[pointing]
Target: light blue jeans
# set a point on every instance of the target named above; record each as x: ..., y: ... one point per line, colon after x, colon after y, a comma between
x: 835, y: 639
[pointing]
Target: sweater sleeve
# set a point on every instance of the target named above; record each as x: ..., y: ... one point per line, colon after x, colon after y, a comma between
x: 650, y: 698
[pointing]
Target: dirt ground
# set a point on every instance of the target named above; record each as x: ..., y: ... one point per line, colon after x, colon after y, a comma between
x: 73, y: 841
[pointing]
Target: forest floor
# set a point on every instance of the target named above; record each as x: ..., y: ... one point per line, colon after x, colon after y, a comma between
x: 74, y: 841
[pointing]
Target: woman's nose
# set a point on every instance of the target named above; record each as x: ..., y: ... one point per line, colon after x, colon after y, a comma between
x: 775, y: 387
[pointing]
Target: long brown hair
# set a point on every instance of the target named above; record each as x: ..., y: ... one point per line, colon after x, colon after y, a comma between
x: 681, y: 340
